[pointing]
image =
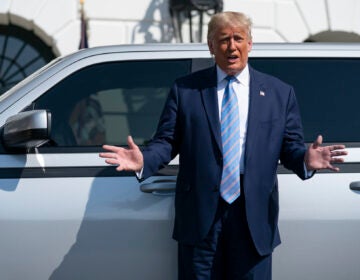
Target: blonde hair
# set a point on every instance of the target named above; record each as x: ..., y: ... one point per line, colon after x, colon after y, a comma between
x: 234, y: 19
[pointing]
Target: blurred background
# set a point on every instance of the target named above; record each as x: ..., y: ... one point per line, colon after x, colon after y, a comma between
x: 33, y: 32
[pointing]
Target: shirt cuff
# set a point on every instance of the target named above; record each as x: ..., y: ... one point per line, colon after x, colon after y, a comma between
x: 308, y: 173
x: 139, y: 174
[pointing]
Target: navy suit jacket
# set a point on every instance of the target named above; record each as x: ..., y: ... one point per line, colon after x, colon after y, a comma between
x: 190, y: 126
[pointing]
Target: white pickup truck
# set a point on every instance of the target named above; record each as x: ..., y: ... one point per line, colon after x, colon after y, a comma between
x: 65, y: 214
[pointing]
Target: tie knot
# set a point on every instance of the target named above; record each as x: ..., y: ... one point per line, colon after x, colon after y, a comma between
x: 230, y: 78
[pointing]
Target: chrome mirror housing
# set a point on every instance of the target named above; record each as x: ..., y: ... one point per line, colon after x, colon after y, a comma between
x: 28, y: 129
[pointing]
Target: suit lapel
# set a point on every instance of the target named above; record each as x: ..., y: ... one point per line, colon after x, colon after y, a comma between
x: 257, y: 94
x: 210, y: 101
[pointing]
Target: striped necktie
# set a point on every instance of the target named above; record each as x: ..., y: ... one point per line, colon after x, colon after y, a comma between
x: 230, y: 135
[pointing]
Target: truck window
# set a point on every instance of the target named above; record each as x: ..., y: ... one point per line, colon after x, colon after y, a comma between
x: 327, y: 90
x: 104, y: 103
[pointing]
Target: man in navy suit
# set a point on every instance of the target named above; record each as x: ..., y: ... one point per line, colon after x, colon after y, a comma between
x: 220, y: 238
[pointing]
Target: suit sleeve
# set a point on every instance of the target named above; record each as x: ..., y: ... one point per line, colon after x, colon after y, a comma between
x: 293, y: 147
x: 163, y: 147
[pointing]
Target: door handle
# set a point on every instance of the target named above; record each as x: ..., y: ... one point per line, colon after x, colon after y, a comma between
x: 355, y: 186
x: 159, y: 187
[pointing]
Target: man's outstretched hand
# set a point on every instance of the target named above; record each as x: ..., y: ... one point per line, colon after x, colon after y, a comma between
x: 322, y: 157
x: 129, y: 159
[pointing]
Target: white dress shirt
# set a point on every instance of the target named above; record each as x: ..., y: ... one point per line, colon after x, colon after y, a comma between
x: 241, y: 88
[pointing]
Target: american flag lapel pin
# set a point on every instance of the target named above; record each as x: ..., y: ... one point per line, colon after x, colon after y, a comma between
x: 262, y: 93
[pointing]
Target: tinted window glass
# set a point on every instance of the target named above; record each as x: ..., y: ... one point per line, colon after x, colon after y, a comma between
x: 201, y: 63
x: 327, y: 91
x: 106, y: 102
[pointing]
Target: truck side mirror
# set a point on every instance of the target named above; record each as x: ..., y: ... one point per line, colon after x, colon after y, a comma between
x: 28, y: 129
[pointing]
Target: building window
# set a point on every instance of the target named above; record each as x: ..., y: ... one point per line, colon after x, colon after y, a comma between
x: 21, y: 53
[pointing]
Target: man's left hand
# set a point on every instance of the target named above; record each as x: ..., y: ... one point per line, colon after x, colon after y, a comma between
x: 322, y: 157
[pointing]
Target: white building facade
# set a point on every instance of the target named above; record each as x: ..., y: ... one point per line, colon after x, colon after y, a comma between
x: 57, y: 23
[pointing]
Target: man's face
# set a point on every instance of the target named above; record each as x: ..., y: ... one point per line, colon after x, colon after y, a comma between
x: 230, y: 46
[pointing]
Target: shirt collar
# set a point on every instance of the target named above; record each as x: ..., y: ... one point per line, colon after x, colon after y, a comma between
x: 243, y: 77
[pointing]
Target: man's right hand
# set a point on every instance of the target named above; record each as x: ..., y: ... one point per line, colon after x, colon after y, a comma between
x: 129, y: 159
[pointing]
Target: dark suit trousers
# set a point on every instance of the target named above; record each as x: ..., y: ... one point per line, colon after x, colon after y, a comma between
x: 227, y: 253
